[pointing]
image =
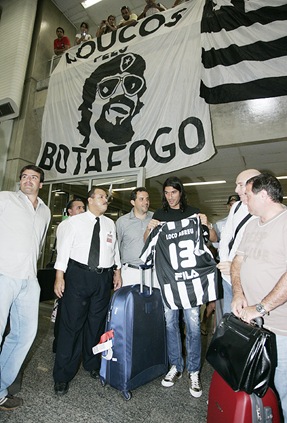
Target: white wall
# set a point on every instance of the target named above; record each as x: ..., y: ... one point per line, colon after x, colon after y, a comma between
x: 17, y: 25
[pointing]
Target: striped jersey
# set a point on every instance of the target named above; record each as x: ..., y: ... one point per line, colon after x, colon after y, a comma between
x: 185, y: 268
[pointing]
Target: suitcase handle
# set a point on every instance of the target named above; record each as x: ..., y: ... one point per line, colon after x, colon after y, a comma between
x: 257, y: 321
x: 144, y: 267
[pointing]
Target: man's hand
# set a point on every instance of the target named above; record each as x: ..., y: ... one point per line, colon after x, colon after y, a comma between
x: 249, y: 313
x: 224, y: 267
x: 153, y: 223
x: 238, y: 304
x: 117, y: 280
x: 203, y: 219
x: 59, y: 285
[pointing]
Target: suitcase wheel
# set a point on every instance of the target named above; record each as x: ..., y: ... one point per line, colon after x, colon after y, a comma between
x: 127, y: 395
x: 103, y: 382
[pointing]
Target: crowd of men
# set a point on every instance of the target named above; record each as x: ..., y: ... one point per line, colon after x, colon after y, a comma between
x: 95, y: 255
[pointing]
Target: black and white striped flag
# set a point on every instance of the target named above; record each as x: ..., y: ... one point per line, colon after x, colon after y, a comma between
x: 244, y: 50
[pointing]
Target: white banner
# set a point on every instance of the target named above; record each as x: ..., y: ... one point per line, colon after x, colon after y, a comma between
x: 130, y: 99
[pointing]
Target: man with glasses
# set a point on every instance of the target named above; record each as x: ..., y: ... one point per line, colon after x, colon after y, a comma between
x: 87, y: 256
x: 112, y: 94
x: 24, y: 220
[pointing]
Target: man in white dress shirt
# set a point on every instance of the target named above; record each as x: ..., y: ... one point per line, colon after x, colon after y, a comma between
x: 231, y: 235
x: 24, y: 220
x: 86, y: 289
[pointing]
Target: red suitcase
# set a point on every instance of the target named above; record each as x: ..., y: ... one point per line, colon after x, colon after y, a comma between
x: 228, y: 406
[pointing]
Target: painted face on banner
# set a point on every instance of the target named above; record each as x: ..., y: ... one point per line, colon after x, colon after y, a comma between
x: 111, y: 98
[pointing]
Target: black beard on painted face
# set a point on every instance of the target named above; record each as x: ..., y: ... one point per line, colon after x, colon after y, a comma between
x: 114, y: 124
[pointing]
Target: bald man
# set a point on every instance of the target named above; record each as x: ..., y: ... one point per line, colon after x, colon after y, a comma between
x: 232, y: 234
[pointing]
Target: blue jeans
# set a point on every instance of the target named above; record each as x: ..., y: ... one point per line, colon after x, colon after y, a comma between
x: 19, y: 300
x: 193, y: 338
x: 227, y: 296
x: 280, y: 379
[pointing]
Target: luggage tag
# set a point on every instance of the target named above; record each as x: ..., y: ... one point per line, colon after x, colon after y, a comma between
x: 106, y: 343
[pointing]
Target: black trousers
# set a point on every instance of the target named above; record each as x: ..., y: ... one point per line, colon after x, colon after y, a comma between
x: 82, y: 321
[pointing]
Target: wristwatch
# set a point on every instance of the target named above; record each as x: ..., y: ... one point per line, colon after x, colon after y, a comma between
x: 261, y: 309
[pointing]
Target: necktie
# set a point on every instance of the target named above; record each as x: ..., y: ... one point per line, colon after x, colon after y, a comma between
x: 94, y: 253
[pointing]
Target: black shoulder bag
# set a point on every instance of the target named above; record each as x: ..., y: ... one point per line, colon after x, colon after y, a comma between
x: 243, y: 354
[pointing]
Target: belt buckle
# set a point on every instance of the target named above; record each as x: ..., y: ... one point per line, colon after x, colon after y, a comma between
x: 99, y: 270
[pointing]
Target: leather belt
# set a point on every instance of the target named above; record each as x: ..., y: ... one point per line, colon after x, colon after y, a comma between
x: 89, y: 268
x: 133, y: 266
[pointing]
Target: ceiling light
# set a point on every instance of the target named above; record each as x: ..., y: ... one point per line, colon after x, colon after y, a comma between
x: 216, y: 200
x: 281, y: 177
x: 57, y: 193
x: 189, y: 184
x: 117, y: 181
x: 123, y: 189
x: 89, y: 3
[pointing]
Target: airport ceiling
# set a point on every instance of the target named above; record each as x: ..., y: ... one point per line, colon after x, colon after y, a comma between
x: 264, y: 154
x: 76, y: 13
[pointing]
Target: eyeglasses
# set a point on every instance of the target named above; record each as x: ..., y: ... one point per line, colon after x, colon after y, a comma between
x: 131, y: 85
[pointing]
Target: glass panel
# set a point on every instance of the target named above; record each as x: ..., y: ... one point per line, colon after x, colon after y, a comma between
x: 57, y: 194
x: 61, y: 194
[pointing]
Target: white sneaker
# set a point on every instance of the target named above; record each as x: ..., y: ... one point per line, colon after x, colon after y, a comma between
x: 195, y: 387
x: 171, y: 377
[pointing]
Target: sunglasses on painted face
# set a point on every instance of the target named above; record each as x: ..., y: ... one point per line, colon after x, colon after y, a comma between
x: 131, y: 85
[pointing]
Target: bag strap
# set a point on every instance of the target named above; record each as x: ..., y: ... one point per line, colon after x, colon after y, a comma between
x: 237, y: 207
x: 243, y: 221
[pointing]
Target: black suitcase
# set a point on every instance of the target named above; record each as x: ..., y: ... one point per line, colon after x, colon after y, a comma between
x: 139, y: 355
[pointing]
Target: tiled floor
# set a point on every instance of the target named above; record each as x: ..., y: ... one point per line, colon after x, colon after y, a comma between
x: 88, y: 401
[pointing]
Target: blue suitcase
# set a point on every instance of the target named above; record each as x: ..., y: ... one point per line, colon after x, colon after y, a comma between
x: 139, y: 355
